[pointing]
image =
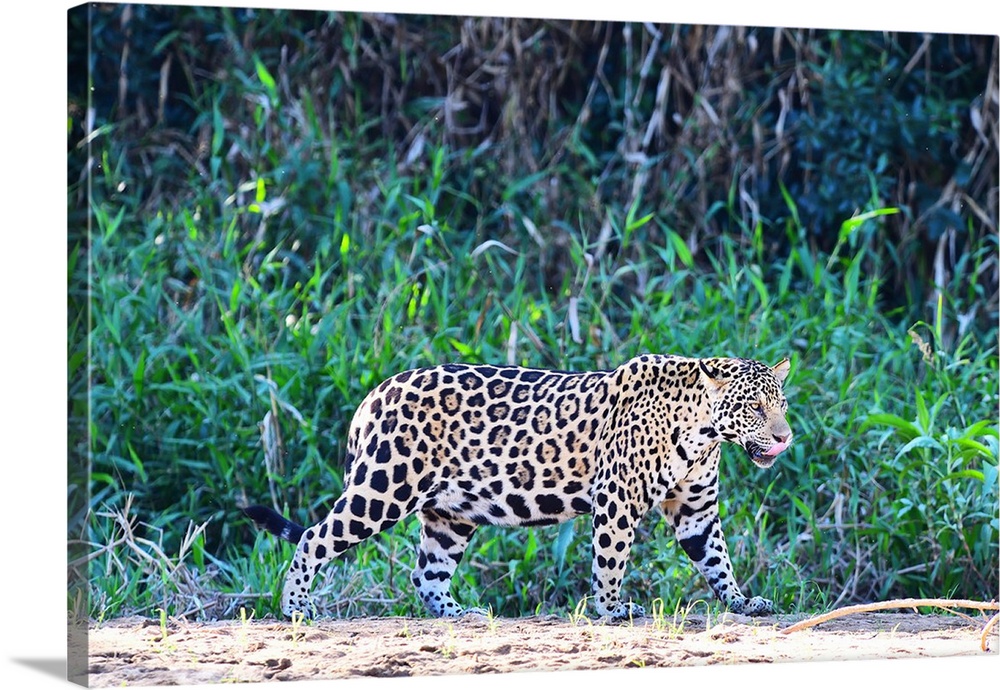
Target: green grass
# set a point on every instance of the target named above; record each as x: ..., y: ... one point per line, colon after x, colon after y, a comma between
x: 894, y: 464
x: 303, y: 263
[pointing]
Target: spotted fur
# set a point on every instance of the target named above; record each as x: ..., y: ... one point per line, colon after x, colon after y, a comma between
x: 467, y: 445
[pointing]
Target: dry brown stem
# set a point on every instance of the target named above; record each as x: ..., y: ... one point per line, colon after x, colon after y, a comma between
x: 901, y: 604
x: 986, y: 631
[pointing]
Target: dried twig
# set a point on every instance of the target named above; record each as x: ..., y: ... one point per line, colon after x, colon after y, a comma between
x: 899, y: 604
x: 986, y: 631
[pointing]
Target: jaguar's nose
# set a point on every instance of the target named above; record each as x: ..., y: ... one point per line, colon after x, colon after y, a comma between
x: 783, y: 438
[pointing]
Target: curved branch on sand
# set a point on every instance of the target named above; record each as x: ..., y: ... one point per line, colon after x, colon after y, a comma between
x: 901, y: 604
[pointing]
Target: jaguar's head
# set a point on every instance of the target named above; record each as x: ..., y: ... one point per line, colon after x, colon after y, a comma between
x: 748, y: 405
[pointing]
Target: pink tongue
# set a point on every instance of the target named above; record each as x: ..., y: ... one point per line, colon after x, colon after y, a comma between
x: 777, y: 448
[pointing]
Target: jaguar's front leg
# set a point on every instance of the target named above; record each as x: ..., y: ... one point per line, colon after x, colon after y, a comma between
x: 693, y: 510
x: 705, y: 544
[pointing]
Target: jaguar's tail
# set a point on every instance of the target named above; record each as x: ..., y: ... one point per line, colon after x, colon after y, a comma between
x: 274, y: 523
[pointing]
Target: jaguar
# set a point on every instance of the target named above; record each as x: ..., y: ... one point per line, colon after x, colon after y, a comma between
x: 464, y: 445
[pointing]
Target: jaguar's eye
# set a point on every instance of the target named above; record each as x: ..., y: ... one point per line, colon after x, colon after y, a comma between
x: 757, y: 407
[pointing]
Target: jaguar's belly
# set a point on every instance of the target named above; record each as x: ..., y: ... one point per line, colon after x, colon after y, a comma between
x: 512, y: 503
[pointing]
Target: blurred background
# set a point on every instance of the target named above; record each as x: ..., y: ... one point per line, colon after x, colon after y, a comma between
x: 271, y: 211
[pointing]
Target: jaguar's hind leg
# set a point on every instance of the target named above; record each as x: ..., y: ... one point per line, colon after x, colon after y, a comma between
x: 443, y: 540
x: 353, y: 519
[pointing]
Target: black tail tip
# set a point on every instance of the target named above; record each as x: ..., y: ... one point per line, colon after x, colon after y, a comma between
x: 272, y: 521
x: 262, y: 515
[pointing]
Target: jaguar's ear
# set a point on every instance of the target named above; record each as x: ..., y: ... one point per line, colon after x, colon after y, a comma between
x: 781, y: 370
x: 713, y: 377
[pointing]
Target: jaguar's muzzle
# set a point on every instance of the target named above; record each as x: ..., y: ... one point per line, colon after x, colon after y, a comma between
x: 764, y: 457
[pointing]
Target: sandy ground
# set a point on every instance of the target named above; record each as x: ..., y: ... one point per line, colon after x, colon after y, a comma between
x: 133, y: 651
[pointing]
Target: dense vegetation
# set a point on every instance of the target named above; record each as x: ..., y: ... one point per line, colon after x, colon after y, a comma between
x: 272, y: 211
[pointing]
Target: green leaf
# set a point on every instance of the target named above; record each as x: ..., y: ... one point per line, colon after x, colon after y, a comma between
x: 806, y: 511
x: 906, y: 428
x: 139, y: 467
x: 983, y: 427
x: 265, y: 77
x: 462, y: 348
x: 138, y: 376
x: 562, y: 542
x: 790, y: 203
x: 851, y: 280
x: 531, y: 548
x: 189, y: 223
x: 760, y: 287
x: 631, y: 223
x: 218, y: 129
x: 962, y: 474
x: 923, y: 416
x: 970, y: 444
x: 920, y: 442
x: 680, y: 247
x: 852, y: 224
x: 198, y: 551
x: 109, y: 225
x: 75, y: 360
x: 523, y: 184
x: 103, y: 477
x: 234, y: 296
x: 991, y: 473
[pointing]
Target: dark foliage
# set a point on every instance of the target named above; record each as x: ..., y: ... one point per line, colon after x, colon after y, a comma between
x: 685, y: 116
